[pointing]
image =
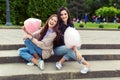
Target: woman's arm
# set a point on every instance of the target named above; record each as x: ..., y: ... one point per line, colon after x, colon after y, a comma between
x: 36, y: 34
x: 43, y: 44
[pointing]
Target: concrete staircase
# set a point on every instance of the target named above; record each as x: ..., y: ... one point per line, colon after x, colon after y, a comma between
x: 103, y: 58
x: 105, y: 64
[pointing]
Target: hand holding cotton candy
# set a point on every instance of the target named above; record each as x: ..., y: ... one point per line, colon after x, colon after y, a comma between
x: 31, y: 25
x: 72, y: 38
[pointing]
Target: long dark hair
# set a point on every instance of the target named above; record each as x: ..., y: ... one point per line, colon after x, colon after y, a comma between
x: 45, y: 28
x: 59, y: 15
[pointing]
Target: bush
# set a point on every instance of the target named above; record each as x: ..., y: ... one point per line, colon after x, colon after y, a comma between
x: 21, y: 10
x: 119, y: 27
x: 81, y: 25
x: 101, y: 26
x: 2, y: 12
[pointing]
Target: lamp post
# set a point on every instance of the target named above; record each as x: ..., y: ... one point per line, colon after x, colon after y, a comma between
x: 8, y: 22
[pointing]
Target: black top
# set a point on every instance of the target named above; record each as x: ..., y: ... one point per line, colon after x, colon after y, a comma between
x: 62, y: 29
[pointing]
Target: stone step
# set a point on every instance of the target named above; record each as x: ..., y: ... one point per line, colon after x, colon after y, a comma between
x: 84, y: 46
x: 70, y: 70
x: 11, y: 56
x: 111, y: 78
x: 11, y: 46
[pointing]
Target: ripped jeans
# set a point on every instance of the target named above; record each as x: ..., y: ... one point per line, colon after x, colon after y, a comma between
x: 65, y: 52
x: 28, y: 51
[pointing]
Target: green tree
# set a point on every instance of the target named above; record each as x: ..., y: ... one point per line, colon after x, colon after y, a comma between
x: 107, y: 12
x: 92, y: 5
x: 76, y: 7
x: 115, y: 3
x: 2, y: 12
x: 44, y: 8
x: 18, y: 11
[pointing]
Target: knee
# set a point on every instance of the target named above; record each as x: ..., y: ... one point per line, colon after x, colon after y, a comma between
x: 26, y: 40
x: 20, y: 51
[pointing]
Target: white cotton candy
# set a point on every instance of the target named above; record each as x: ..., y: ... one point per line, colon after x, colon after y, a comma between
x: 72, y: 38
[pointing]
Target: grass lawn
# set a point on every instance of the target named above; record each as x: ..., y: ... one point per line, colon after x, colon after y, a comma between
x: 89, y: 25
x: 10, y: 27
x: 96, y: 26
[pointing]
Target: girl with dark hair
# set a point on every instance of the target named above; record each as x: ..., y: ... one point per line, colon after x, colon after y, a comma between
x: 41, y: 42
x: 60, y: 49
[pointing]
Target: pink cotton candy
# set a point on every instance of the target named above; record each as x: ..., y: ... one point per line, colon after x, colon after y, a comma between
x: 32, y: 24
x: 72, y: 38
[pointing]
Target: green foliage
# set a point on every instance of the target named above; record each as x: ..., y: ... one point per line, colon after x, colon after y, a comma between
x: 101, y: 26
x: 44, y: 8
x: 76, y: 7
x: 92, y: 5
x: 111, y: 2
x: 106, y: 11
x: 90, y: 25
x: 119, y: 27
x: 20, y: 10
x: 81, y: 25
x: 118, y: 11
x: 2, y: 12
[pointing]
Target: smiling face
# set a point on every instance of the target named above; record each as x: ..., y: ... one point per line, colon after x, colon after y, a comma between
x: 52, y: 22
x: 64, y: 16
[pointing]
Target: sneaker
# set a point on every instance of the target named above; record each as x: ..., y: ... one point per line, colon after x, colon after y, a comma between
x: 84, y: 70
x: 30, y: 64
x: 41, y: 64
x: 58, y: 65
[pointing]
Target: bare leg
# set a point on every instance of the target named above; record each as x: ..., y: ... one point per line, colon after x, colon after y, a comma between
x: 80, y: 58
x: 39, y: 64
x: 59, y: 63
x: 36, y: 56
x: 86, y: 63
x: 34, y: 60
x: 62, y: 60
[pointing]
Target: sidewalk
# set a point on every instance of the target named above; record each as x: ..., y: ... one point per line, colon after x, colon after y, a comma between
x: 14, y: 36
x: 11, y: 36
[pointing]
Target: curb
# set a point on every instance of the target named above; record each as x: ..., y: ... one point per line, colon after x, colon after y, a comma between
x: 55, y: 58
x: 63, y: 75
x: 84, y: 46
